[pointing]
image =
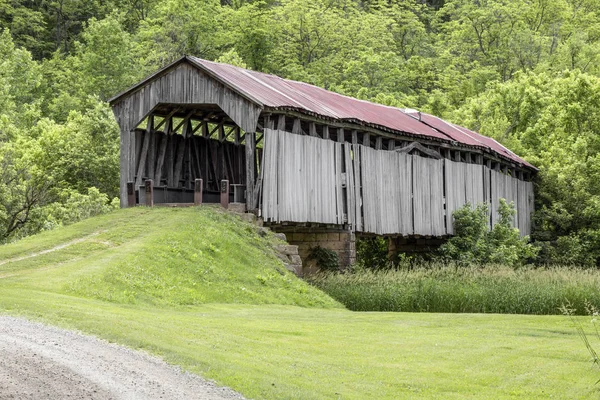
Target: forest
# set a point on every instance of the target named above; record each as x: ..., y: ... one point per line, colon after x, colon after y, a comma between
x: 526, y: 73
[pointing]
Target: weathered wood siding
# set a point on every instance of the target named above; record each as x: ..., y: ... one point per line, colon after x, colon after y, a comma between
x: 307, y: 179
x: 302, y: 179
x: 465, y: 183
x: 386, y: 191
x: 428, y: 196
x: 183, y: 84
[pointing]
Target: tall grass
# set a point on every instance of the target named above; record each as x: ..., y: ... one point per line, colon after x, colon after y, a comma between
x: 493, y: 289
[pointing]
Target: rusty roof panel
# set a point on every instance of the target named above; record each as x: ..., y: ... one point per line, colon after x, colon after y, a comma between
x: 275, y: 92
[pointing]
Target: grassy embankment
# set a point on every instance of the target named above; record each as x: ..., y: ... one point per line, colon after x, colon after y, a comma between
x: 204, y: 291
x: 497, y: 289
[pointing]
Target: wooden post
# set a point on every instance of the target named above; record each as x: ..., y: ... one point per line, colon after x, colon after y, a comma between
x: 281, y: 122
x: 250, y: 163
x: 198, y: 190
x: 149, y: 186
x: 340, y: 135
x: 225, y: 194
x: 130, y: 194
x: 392, y: 144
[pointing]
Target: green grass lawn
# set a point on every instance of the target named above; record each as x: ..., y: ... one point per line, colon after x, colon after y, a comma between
x: 278, y: 338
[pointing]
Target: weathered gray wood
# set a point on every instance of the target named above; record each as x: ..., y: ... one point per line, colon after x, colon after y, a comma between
x: 142, y: 160
x: 180, y: 155
x: 340, y: 135
x: 296, y: 129
x: 366, y: 139
x: 325, y: 132
x: 303, y: 179
x: 350, y: 188
x: 418, y: 146
x: 281, y: 122
x: 250, y: 170
x: 312, y: 129
x: 161, y: 158
x: 358, y: 203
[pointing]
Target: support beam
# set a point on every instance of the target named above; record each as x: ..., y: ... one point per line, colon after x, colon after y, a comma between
x: 366, y: 139
x: 131, y: 194
x: 312, y: 129
x: 297, y: 128
x: 418, y: 146
x: 250, y: 167
x: 281, y: 122
x: 225, y: 194
x: 354, y: 137
x: 185, y: 119
x: 166, y: 119
x: 340, y: 135
x: 325, y: 132
x: 236, y: 136
x: 142, y: 161
x: 198, y: 191
x: 149, y: 188
x: 378, y: 143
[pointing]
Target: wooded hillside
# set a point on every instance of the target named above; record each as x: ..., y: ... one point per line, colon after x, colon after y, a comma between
x: 523, y: 72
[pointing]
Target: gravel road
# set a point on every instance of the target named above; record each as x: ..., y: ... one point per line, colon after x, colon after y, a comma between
x: 43, y: 362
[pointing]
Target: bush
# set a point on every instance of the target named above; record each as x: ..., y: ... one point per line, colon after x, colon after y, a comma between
x: 474, y: 244
x: 372, y: 253
x: 327, y: 260
x: 70, y: 207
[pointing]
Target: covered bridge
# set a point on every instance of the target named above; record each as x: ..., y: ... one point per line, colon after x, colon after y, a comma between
x: 317, y: 165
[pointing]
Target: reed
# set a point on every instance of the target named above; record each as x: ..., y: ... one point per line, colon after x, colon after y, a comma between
x: 439, y: 288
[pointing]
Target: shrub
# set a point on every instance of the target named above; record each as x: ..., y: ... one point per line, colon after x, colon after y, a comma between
x: 474, y: 243
x: 372, y: 252
x: 327, y: 260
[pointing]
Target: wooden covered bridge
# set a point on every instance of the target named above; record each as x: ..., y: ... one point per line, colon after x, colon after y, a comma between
x: 317, y: 165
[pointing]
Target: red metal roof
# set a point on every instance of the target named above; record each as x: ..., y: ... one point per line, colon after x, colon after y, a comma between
x: 275, y: 92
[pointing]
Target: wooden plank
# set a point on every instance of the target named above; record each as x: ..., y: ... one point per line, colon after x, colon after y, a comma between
x: 281, y: 122
x: 340, y: 135
x: 250, y: 171
x: 405, y: 184
x: 161, y: 158
x: 297, y: 129
x: 366, y: 139
x: 350, y: 188
x: 358, y: 188
x: 437, y: 197
x: 179, y: 157
x: 142, y: 162
x: 341, y: 210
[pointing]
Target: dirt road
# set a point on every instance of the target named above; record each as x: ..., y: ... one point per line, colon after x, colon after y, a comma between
x: 42, y: 362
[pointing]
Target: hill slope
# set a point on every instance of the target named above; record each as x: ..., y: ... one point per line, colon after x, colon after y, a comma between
x: 159, y: 256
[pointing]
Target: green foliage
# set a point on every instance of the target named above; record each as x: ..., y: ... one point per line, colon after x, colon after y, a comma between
x: 372, y: 253
x: 525, y: 73
x: 553, y: 121
x: 474, y: 243
x: 327, y: 260
x: 441, y: 288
